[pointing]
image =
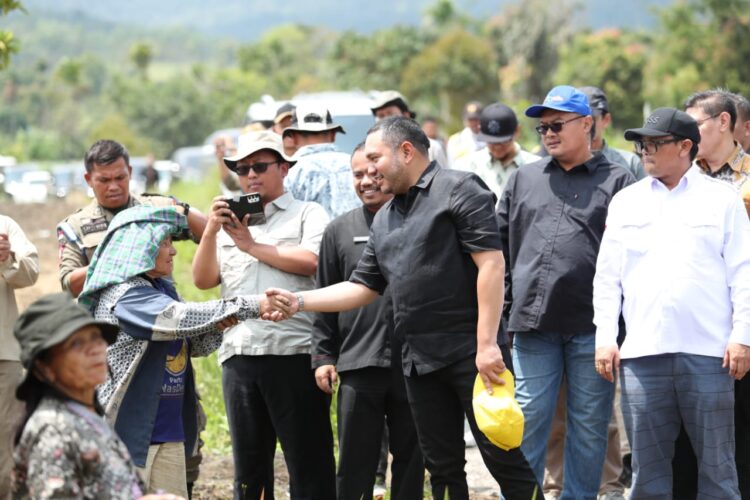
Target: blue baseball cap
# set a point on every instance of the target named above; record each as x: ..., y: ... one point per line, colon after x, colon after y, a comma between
x: 562, y: 98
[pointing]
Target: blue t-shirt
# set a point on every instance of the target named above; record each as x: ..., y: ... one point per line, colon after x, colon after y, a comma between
x: 168, y: 426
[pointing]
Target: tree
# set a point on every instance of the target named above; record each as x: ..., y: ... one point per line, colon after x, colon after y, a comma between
x: 375, y: 61
x: 285, y: 54
x: 612, y: 60
x: 457, y: 68
x: 141, y: 54
x: 716, y: 55
x: 172, y: 113
x: 525, y: 38
x: 8, y: 43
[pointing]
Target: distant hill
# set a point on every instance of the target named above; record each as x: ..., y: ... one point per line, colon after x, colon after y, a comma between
x: 247, y: 19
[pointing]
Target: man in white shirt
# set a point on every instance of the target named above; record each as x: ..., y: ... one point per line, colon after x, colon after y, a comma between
x: 674, y: 261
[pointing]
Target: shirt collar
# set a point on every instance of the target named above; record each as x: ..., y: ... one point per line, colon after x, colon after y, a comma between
x: 283, y: 201
x: 315, y: 148
x: 591, y: 164
x: 734, y: 160
x: 426, y: 178
x: 686, y: 181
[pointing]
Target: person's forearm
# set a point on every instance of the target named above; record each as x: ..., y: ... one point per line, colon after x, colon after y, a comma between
x: 77, y: 279
x: 339, y: 297
x: 197, y: 222
x: 295, y: 260
x: 490, y: 290
x: 206, y: 273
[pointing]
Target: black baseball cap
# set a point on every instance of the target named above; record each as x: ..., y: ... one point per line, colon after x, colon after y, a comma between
x: 497, y: 123
x: 48, y: 322
x: 597, y: 99
x: 666, y: 121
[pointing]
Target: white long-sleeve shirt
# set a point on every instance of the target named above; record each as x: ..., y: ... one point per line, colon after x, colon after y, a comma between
x: 677, y: 263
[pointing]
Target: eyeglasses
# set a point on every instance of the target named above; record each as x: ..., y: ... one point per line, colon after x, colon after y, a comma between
x: 258, y: 168
x: 555, y: 127
x: 704, y: 120
x: 651, y: 147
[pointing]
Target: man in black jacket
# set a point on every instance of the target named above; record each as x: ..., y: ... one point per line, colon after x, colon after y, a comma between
x: 359, y: 345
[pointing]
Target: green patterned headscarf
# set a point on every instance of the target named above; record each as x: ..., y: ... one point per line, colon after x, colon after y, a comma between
x: 129, y: 248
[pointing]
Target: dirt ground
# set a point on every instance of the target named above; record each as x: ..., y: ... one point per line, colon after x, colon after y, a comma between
x: 39, y: 221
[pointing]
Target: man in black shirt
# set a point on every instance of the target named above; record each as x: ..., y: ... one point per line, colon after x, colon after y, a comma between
x: 359, y: 345
x: 436, y: 246
x: 552, y: 217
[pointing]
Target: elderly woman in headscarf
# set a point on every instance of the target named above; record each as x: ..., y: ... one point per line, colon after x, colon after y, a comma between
x: 150, y: 395
x: 64, y: 447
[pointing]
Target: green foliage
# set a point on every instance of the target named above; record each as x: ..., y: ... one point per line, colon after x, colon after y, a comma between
x: 287, y: 56
x: 171, y: 113
x: 613, y: 61
x: 457, y: 68
x: 375, y: 61
x: 525, y: 38
x: 141, y: 55
x: 8, y: 43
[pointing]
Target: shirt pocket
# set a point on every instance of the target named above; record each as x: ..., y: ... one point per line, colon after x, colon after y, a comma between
x: 701, y: 235
x: 637, y: 237
x: 287, y: 234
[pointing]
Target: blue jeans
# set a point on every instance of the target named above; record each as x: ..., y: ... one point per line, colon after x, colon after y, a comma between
x: 540, y: 360
x: 660, y: 392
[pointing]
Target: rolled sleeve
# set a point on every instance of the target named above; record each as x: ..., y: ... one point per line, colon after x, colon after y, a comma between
x: 473, y: 209
x: 314, y: 222
x: 368, y: 271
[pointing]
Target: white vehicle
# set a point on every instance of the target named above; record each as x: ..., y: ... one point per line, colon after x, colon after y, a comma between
x: 33, y: 187
x: 349, y: 109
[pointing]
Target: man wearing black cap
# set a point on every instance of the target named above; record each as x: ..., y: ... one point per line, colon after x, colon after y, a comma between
x: 603, y: 119
x: 498, y: 127
x: 466, y: 140
x: 552, y: 215
x: 674, y: 262
x: 392, y: 103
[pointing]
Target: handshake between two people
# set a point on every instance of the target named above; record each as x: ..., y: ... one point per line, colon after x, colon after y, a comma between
x: 279, y: 304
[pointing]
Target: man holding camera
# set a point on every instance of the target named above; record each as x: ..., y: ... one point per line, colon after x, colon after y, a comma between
x: 269, y: 387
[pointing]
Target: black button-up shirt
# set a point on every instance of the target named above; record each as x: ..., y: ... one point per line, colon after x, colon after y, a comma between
x: 551, y: 224
x: 420, y: 246
x: 361, y: 337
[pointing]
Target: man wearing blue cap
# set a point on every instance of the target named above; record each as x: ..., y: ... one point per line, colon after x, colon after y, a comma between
x: 552, y: 217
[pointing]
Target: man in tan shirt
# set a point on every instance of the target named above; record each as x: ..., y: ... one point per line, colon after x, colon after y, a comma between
x: 19, y: 268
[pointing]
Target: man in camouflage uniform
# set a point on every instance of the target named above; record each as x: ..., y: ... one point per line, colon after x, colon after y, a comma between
x: 108, y: 174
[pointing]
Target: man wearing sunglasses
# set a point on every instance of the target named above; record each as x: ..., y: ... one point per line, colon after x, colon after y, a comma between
x: 269, y: 388
x: 674, y: 262
x: 552, y: 215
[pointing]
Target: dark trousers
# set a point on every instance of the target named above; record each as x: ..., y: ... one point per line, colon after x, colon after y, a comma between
x: 439, y: 401
x: 685, y: 465
x: 364, y: 397
x: 275, y: 396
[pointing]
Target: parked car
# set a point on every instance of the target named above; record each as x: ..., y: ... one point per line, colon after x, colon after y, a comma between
x: 28, y: 184
x: 68, y: 177
x: 194, y: 161
x: 350, y: 109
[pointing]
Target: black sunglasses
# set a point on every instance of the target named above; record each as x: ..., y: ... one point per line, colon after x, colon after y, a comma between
x: 258, y: 168
x: 651, y: 147
x: 555, y: 127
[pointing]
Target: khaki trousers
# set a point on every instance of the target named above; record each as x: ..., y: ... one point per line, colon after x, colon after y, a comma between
x: 11, y: 410
x: 165, y: 469
x: 553, y: 471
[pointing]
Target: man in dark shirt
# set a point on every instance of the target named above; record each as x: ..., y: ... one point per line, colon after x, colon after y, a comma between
x: 436, y: 246
x: 359, y: 345
x: 552, y: 216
